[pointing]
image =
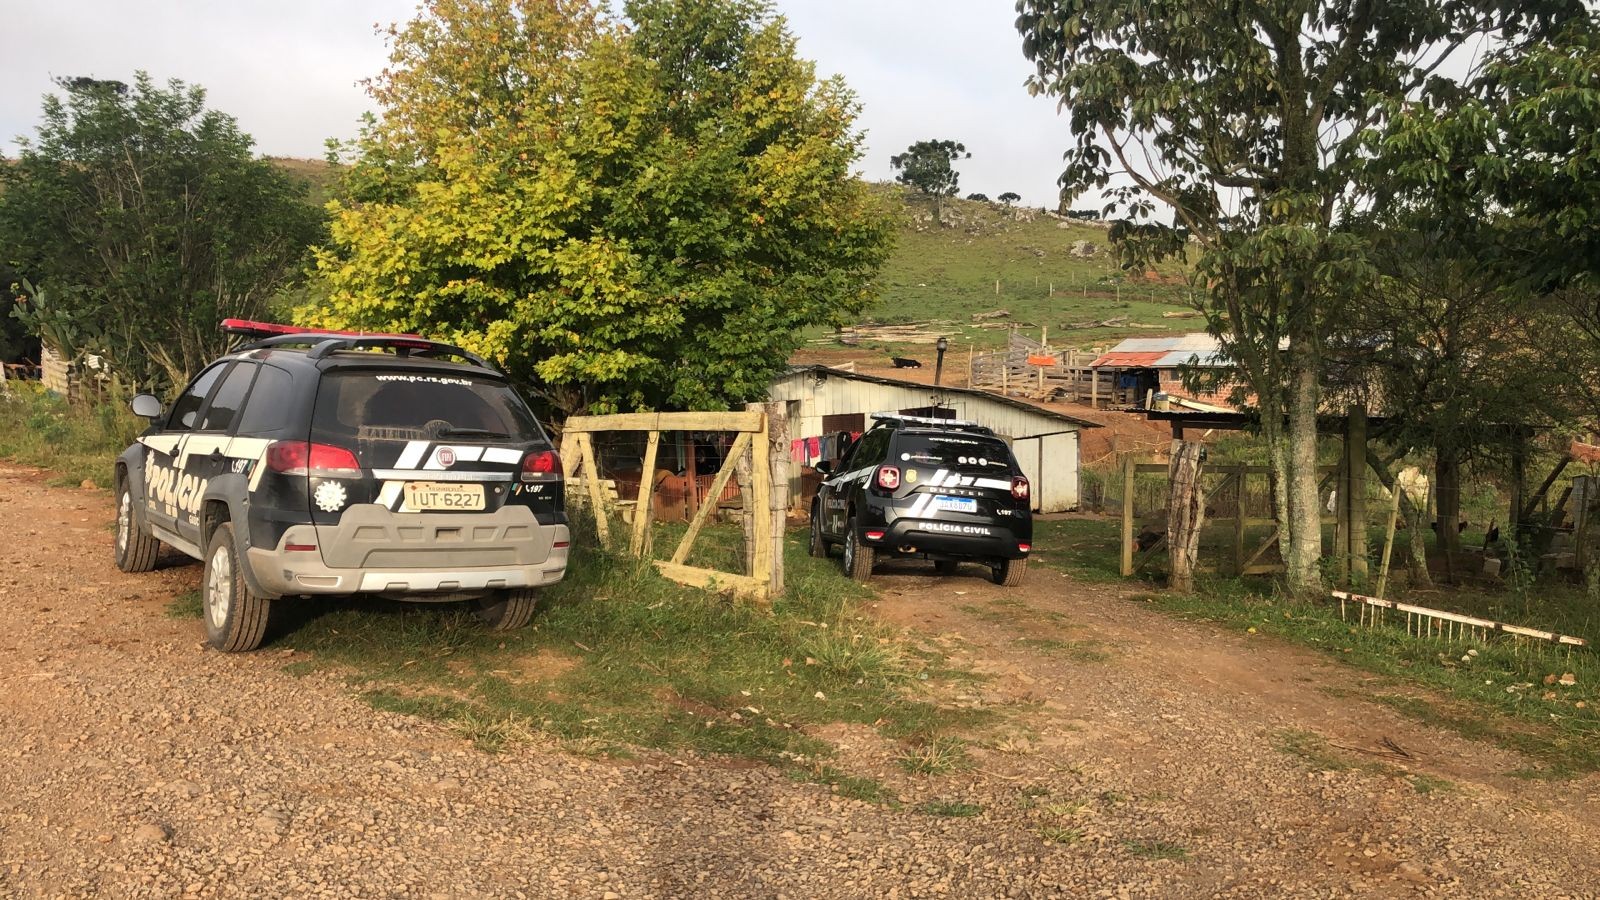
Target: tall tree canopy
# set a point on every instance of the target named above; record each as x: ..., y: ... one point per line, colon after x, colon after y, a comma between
x: 147, y: 220
x: 1247, y: 123
x: 626, y: 214
x: 929, y: 166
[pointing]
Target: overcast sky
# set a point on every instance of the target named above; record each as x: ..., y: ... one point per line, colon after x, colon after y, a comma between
x: 288, y: 71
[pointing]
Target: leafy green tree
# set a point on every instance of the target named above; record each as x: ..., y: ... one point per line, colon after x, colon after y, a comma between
x: 981, y: 198
x: 14, y: 338
x: 1010, y: 197
x: 929, y: 166
x: 626, y: 214
x: 147, y: 219
x: 1512, y: 163
x: 1247, y: 123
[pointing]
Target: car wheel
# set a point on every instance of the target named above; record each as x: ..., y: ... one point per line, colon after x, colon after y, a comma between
x: 946, y: 566
x: 235, y: 617
x: 819, y: 547
x: 506, y: 610
x: 136, y: 550
x: 1009, y: 572
x: 857, y: 558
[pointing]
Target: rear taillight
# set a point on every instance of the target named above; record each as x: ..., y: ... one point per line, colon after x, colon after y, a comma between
x: 1019, y: 487
x: 303, y: 458
x: 1024, y: 548
x: 888, y: 477
x: 545, y: 462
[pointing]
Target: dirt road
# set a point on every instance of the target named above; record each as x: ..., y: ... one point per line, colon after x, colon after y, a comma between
x: 1138, y: 757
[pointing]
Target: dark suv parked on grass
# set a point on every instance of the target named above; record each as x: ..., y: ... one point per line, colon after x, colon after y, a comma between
x: 925, y: 488
x: 334, y: 464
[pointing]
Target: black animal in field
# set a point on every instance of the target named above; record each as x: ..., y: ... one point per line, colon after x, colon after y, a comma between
x: 901, y: 362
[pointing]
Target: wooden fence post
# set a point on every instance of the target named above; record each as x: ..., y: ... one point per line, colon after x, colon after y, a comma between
x: 1241, y: 479
x: 1128, y: 465
x: 1356, y: 521
x: 641, y: 507
x: 1186, y: 511
x: 778, y: 502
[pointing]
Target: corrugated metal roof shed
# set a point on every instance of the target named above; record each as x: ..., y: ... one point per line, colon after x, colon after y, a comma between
x: 1196, y: 349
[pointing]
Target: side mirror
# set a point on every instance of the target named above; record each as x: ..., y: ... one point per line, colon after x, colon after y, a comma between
x: 823, y: 466
x: 146, y: 406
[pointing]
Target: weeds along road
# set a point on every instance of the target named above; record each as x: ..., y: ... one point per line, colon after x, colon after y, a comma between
x: 1132, y: 756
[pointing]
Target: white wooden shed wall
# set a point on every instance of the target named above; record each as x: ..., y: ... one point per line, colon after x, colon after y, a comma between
x: 1045, y: 445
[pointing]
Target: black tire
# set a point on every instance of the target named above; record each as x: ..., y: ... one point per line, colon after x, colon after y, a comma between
x: 136, y: 549
x: 819, y: 546
x: 1009, y: 572
x: 946, y: 566
x: 506, y: 610
x: 234, y: 616
x: 858, y: 559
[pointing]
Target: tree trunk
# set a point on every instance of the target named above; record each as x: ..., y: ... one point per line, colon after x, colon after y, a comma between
x: 1447, y: 494
x: 1186, y: 513
x: 1305, y: 512
x: 1417, y: 524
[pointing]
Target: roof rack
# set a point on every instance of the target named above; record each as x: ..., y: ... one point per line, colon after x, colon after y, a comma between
x: 324, y: 341
x: 931, y: 422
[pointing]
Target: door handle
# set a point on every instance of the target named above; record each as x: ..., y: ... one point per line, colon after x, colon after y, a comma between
x: 216, y: 455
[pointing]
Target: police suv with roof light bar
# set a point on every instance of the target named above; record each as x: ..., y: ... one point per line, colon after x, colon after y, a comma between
x: 925, y: 488
x: 329, y: 463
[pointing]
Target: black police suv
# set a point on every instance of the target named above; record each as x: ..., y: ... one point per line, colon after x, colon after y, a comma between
x: 328, y: 463
x: 924, y: 488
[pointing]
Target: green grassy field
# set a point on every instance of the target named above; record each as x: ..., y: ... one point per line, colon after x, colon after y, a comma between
x: 949, y: 273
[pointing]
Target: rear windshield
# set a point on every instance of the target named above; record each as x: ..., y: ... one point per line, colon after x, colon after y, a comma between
x: 955, y: 451
x: 367, y: 406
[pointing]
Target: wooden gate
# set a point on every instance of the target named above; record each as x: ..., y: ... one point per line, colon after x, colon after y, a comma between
x: 765, y: 490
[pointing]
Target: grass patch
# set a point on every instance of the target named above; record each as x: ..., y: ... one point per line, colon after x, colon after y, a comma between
x: 1429, y: 784
x: 619, y: 657
x: 1156, y: 849
x: 186, y: 605
x: 939, y: 756
x: 1076, y: 651
x: 950, y: 273
x: 77, y: 443
x: 1055, y: 834
x: 1310, y: 748
x: 1085, y: 548
x: 855, y: 787
x: 952, y: 809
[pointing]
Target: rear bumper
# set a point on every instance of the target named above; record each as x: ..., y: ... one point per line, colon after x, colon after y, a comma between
x: 947, y: 540
x: 280, y: 572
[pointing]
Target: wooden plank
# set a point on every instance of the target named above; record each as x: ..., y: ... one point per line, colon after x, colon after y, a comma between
x: 592, y: 481
x: 572, y: 467
x: 710, y: 579
x: 1544, y: 489
x: 740, y: 444
x: 1388, y: 540
x: 667, y: 421
x: 1459, y: 619
x: 647, y: 482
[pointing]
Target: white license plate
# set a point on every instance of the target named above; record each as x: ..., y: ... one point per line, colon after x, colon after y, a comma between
x: 955, y: 504
x: 436, y: 496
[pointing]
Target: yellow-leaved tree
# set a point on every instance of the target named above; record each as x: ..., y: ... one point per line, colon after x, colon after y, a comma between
x: 626, y: 213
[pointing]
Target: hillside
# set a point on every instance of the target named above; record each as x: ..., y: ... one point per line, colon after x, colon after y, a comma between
x: 947, y: 272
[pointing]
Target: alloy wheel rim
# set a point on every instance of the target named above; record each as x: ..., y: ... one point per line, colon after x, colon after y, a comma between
x: 219, y: 587
x: 124, y: 521
x: 850, y: 550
